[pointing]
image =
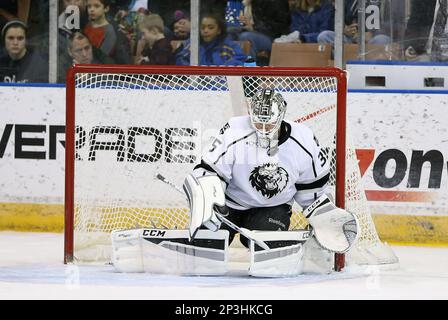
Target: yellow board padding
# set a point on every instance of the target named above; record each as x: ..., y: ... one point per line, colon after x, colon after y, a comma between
x: 50, y: 217
x: 412, y: 230
x: 394, y: 229
x: 32, y: 217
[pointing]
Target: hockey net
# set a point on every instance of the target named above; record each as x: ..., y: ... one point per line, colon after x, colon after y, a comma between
x: 126, y: 124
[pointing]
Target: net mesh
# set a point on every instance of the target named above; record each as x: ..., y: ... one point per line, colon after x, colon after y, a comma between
x: 131, y: 127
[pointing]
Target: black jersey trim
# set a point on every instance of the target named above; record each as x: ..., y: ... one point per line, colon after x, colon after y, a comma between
x: 234, y: 142
x: 204, y: 165
x: 309, y: 153
x: 313, y: 185
x: 231, y: 200
x: 285, y: 132
x: 238, y: 203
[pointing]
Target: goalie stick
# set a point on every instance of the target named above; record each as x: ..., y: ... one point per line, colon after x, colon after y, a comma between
x: 243, y: 231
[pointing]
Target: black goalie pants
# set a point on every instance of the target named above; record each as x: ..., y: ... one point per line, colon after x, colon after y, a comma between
x: 266, y: 219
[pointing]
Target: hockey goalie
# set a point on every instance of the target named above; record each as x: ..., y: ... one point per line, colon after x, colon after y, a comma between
x: 246, y: 183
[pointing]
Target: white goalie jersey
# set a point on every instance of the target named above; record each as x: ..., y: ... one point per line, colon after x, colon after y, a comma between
x: 297, y: 169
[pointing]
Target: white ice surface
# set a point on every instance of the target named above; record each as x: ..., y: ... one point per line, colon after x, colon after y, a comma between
x: 31, y: 268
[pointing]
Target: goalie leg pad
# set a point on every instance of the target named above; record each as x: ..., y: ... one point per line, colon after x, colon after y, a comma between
x: 164, y: 251
x: 284, y: 259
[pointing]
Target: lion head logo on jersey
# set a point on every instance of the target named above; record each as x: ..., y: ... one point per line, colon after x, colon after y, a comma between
x: 269, y: 179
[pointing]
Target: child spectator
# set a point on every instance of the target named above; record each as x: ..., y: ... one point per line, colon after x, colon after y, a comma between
x: 214, y: 48
x: 158, y: 48
x: 166, y: 8
x: 311, y: 17
x: 100, y: 32
x: 127, y: 20
x: 181, y: 26
x: 20, y: 64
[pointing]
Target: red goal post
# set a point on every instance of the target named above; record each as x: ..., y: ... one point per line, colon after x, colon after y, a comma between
x: 97, y: 78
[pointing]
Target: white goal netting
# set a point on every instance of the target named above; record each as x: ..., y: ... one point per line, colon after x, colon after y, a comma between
x: 129, y: 127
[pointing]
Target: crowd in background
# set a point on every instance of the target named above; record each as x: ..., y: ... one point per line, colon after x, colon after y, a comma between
x: 157, y: 32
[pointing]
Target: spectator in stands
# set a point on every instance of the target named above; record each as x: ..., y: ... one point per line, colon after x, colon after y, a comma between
x: 11, y: 10
x: 214, y: 48
x: 83, y: 52
x: 68, y: 24
x: 158, y: 48
x: 80, y: 51
x: 19, y: 63
x: 181, y: 26
x: 100, y: 32
x: 351, y: 33
x: 177, y: 25
x: 127, y: 19
x: 166, y: 9
x: 261, y: 22
x: 310, y: 18
x: 104, y: 33
x: 426, y: 36
x: 35, y: 14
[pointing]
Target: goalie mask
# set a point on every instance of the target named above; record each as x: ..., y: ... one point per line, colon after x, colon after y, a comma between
x: 267, y: 111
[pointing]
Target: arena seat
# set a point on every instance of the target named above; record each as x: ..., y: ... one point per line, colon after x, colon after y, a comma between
x: 373, y: 52
x: 300, y: 55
